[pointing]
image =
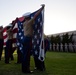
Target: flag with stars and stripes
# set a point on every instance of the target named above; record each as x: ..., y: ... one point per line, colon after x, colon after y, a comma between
x: 14, y: 39
x: 5, y: 36
x: 20, y: 35
x: 15, y: 30
x: 38, y: 39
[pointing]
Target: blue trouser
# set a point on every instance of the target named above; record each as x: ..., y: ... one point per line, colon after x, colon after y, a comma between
x: 8, y: 51
x: 19, y: 56
x: 1, y: 47
x: 26, y: 54
x: 40, y: 65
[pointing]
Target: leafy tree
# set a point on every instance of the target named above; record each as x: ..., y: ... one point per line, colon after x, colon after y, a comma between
x: 63, y: 42
x: 58, y: 40
x: 52, y: 41
x: 71, y: 41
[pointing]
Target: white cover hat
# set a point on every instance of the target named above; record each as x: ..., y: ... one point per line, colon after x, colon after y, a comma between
x: 10, y: 24
x: 26, y: 14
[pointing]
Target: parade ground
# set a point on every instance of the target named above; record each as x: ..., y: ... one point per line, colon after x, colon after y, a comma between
x: 57, y: 63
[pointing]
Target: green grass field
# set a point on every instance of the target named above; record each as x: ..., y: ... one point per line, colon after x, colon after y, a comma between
x: 57, y: 63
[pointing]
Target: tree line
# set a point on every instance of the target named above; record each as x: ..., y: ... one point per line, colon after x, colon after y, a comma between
x: 65, y: 39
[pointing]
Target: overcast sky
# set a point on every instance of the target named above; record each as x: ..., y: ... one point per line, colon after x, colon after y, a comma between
x: 60, y: 15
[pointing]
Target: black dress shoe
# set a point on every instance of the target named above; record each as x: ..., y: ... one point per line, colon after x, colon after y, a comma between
x: 17, y: 63
x: 28, y: 72
x: 35, y: 68
x: 7, y: 62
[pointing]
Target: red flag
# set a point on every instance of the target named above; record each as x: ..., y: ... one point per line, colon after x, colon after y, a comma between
x: 5, y: 36
x: 15, y: 29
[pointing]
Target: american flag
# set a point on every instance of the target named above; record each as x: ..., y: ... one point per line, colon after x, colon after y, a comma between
x: 5, y: 36
x: 14, y: 29
x: 20, y: 35
x: 38, y: 39
x: 14, y: 40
